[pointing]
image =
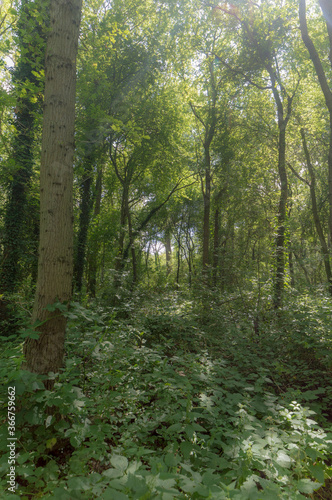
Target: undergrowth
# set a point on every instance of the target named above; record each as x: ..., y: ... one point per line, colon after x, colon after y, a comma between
x: 161, y: 399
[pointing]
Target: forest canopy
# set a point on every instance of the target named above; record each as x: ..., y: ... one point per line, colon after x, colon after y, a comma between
x: 165, y: 249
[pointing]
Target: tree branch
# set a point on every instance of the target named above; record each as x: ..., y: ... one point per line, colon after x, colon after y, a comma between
x: 153, y: 212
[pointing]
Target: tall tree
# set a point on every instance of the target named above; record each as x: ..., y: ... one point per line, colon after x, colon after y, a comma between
x: 209, y: 123
x: 263, y: 50
x: 26, y: 80
x: 55, y: 265
x: 326, y: 7
x: 315, y: 211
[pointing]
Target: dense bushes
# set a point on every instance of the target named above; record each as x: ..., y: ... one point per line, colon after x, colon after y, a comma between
x: 157, y: 404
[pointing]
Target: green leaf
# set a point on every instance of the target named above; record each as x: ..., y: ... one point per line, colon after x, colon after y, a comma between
x: 186, y: 449
x: 318, y: 472
x: 119, y: 462
x: 113, y: 473
x: 171, y: 460
x: 175, y: 427
x: 307, y: 486
x: 111, y: 494
x: 50, y: 443
x: 283, y: 459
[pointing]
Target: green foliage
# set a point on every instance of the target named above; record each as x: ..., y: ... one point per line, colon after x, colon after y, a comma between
x: 160, y: 405
x: 202, y: 393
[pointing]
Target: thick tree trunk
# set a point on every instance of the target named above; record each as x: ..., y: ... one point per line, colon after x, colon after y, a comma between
x: 15, y: 218
x: 55, y: 265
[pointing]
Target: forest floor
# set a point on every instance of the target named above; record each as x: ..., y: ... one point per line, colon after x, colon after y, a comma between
x: 170, y: 396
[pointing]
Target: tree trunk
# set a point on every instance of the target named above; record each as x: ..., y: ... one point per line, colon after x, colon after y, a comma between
x: 314, y: 56
x: 94, y: 243
x: 168, y: 250
x: 291, y: 268
x: 302, y: 266
x: 216, y: 241
x: 209, y: 124
x: 15, y: 217
x: 207, y: 203
x: 55, y: 265
x: 132, y: 247
x: 85, y: 209
x: 178, y: 254
x: 282, y: 216
x: 319, y: 229
x: 315, y: 212
x: 283, y: 118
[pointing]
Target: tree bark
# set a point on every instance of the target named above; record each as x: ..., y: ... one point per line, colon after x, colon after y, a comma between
x: 207, y: 203
x: 314, y: 56
x: 55, y: 264
x: 209, y: 124
x: 216, y: 242
x: 94, y: 244
x: 315, y: 212
x: 282, y: 213
x: 132, y: 247
x: 16, y: 210
x: 283, y: 119
x: 168, y: 250
x: 85, y: 209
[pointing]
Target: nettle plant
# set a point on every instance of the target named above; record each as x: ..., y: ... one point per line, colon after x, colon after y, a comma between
x: 131, y: 417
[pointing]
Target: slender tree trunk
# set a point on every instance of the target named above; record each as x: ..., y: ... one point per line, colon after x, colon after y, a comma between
x: 326, y: 7
x: 319, y: 229
x: 178, y: 263
x: 85, y: 209
x: 132, y: 247
x: 282, y: 216
x: 120, y: 258
x: 291, y: 268
x: 283, y: 118
x: 168, y: 249
x: 216, y: 241
x: 207, y: 204
x: 55, y: 265
x: 209, y: 124
x: 94, y: 243
x: 315, y: 211
x: 302, y: 266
